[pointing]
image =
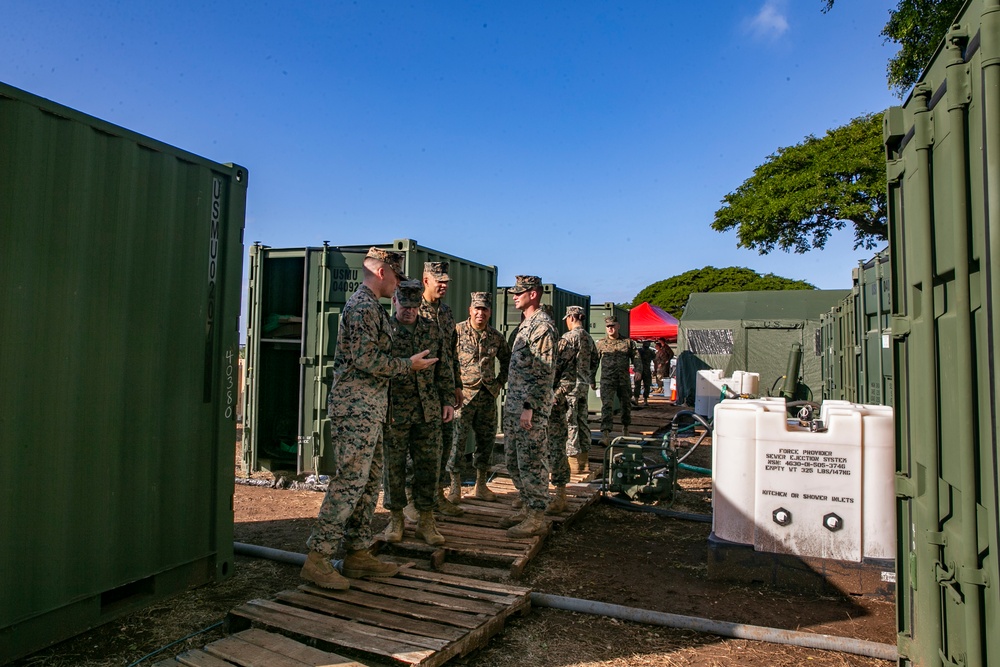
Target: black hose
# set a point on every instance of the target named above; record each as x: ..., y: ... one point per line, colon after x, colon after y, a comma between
x: 653, y: 509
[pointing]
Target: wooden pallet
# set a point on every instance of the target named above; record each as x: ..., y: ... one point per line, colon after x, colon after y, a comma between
x: 476, y: 538
x: 415, y: 618
x: 258, y: 648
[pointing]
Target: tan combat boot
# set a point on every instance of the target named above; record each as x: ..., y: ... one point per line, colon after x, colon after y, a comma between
x: 319, y: 570
x: 583, y: 461
x: 394, y: 531
x: 606, y: 438
x: 447, y: 507
x: 482, y: 491
x: 574, y: 467
x: 359, y: 564
x: 558, y: 504
x: 515, y: 518
x: 533, y: 524
x: 410, y: 512
x: 427, y: 529
x: 455, y: 490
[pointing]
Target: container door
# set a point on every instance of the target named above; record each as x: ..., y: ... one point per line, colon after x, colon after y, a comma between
x: 250, y: 394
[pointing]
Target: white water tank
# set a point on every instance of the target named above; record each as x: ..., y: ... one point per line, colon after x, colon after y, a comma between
x: 710, y: 385
x: 785, y: 488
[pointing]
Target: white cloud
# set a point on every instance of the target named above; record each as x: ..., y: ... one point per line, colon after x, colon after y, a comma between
x: 770, y: 21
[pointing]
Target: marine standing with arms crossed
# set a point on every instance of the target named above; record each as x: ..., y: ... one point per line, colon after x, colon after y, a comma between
x: 419, y: 403
x: 356, y: 404
x: 432, y: 307
x: 527, y: 407
x: 479, y: 348
x: 616, y: 355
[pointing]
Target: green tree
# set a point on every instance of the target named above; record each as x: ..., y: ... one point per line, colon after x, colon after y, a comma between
x: 802, y: 193
x: 672, y: 294
x: 918, y: 26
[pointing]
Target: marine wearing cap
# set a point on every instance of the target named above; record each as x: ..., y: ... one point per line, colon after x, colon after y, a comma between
x: 525, y: 283
x: 574, y: 311
x: 408, y: 293
x: 393, y: 259
x: 481, y: 300
x: 439, y: 270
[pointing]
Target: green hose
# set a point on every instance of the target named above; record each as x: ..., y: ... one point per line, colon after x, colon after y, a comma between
x: 691, y: 468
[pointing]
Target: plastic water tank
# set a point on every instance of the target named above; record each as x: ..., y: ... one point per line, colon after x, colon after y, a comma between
x: 786, y: 488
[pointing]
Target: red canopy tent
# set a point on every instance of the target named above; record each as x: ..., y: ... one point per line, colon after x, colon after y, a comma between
x: 648, y: 322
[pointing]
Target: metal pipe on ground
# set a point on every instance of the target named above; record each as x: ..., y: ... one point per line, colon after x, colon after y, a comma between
x: 721, y: 628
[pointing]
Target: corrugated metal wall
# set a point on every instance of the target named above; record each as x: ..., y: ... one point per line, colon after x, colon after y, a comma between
x: 944, y: 213
x: 120, y: 305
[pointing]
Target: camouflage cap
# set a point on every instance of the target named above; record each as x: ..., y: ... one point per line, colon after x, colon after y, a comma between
x: 481, y: 300
x: 525, y: 283
x: 408, y: 293
x: 437, y: 269
x: 574, y: 311
x: 610, y: 319
x: 393, y: 259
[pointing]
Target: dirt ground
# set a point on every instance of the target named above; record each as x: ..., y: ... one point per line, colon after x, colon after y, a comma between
x: 609, y: 554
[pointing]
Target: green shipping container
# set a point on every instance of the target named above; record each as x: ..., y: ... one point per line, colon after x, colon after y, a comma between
x: 120, y: 303
x: 833, y: 342
x: 944, y: 231
x: 295, y: 299
x: 856, y: 334
x: 596, y: 326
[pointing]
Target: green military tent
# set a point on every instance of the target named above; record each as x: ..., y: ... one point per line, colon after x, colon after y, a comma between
x: 755, y: 331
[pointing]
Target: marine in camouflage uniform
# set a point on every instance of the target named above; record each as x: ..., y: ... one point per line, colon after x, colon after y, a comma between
x: 564, y: 384
x: 357, y: 404
x: 586, y: 361
x: 478, y: 352
x: 415, y: 408
x: 616, y: 355
x: 433, y: 307
x: 529, y: 387
x: 643, y: 376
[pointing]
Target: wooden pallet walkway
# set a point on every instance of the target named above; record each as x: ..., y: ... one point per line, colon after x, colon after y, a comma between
x: 415, y: 618
x: 476, y: 539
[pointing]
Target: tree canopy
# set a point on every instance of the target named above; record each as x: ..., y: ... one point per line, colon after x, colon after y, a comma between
x: 802, y: 193
x: 918, y: 26
x: 672, y: 294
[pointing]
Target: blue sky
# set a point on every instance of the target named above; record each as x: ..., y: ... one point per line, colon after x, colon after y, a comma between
x: 586, y: 142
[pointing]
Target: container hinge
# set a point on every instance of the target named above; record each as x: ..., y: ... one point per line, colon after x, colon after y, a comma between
x: 946, y: 579
x: 900, y: 327
x: 957, y: 662
x: 307, y: 361
x: 904, y: 486
x: 894, y: 170
x: 937, y: 539
x: 903, y: 643
x: 973, y: 576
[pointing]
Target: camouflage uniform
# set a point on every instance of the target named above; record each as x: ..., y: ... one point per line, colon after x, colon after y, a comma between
x: 477, y: 353
x: 529, y: 385
x: 661, y: 360
x: 440, y: 312
x: 585, y: 359
x: 643, y: 372
x: 356, y: 404
x: 564, y: 383
x: 415, y: 420
x: 616, y: 355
